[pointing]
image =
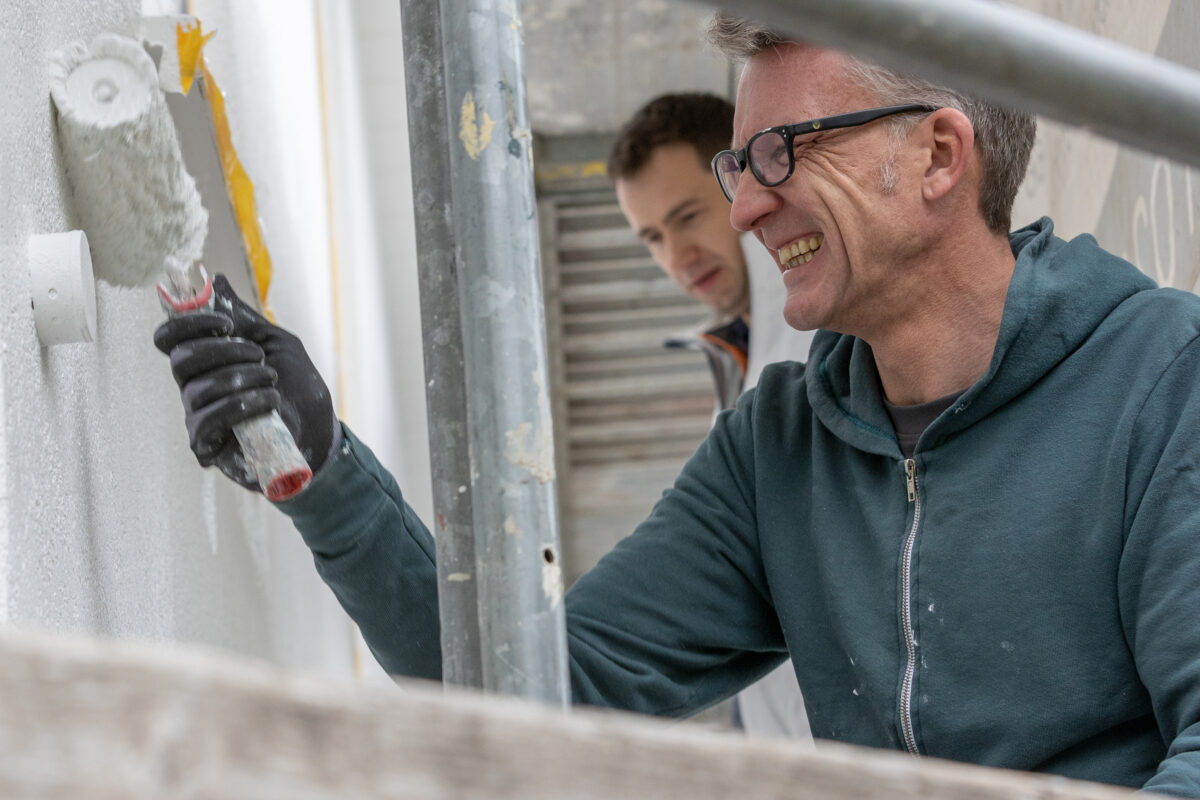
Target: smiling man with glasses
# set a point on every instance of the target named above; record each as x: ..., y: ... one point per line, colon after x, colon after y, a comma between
x: 989, y: 548
x: 970, y: 518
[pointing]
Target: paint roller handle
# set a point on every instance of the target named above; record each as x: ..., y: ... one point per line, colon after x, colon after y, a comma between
x: 267, y: 444
x: 272, y: 453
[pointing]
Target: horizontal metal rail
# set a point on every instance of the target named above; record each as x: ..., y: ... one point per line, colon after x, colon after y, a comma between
x: 1012, y: 57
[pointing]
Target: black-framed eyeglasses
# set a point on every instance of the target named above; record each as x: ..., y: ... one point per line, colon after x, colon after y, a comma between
x: 770, y: 152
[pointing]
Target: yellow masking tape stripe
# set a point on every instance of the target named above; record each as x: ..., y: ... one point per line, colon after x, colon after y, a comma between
x: 237, y: 182
x: 189, y: 40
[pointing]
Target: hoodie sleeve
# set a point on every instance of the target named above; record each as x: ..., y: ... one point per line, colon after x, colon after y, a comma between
x: 676, y: 617
x: 376, y: 555
x: 1159, y: 575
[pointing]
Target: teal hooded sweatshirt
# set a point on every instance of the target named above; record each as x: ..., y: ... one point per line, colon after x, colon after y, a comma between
x: 1022, y: 593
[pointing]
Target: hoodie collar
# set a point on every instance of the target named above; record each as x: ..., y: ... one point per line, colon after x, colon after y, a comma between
x: 1059, y: 293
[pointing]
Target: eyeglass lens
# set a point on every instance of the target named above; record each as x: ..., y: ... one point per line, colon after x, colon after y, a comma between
x: 768, y: 157
x: 728, y: 172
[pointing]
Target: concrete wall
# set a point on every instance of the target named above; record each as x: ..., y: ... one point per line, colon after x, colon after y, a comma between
x: 107, y: 525
x: 592, y: 63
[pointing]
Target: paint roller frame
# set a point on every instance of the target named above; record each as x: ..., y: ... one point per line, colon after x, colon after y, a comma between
x: 108, y: 135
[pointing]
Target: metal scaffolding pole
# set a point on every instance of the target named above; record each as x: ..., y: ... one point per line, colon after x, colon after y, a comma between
x: 445, y: 389
x: 491, y: 439
x: 1012, y: 57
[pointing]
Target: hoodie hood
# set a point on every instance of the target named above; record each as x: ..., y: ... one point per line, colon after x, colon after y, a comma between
x: 1059, y: 294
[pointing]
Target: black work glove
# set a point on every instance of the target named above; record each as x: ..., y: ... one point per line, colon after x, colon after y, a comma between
x: 231, y: 365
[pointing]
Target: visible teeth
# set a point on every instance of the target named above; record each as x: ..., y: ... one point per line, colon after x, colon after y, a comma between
x: 799, y: 252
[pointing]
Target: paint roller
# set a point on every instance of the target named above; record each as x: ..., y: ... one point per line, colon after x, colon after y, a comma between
x: 141, y: 209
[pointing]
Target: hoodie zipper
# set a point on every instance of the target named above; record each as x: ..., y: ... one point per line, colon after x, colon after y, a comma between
x: 910, y: 638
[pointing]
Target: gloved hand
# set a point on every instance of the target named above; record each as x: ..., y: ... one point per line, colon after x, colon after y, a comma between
x: 231, y: 364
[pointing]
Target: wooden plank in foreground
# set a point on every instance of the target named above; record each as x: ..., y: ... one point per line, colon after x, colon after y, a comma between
x: 83, y: 718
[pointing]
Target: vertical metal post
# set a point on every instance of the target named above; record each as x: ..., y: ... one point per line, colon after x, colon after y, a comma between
x: 441, y: 324
x: 484, y: 240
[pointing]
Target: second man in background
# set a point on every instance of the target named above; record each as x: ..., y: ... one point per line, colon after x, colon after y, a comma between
x: 660, y: 167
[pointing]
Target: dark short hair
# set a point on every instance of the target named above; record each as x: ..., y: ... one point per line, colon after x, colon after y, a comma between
x: 705, y: 121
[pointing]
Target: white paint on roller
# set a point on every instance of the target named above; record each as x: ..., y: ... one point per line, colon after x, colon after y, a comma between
x: 64, y: 291
x: 131, y: 189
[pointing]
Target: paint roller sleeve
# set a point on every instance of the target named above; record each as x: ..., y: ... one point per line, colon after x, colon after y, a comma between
x: 231, y: 364
x: 131, y: 189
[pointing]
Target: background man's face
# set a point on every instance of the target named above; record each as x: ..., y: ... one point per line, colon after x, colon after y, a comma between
x: 676, y: 207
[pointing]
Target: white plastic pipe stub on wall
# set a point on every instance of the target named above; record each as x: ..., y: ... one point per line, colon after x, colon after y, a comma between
x: 64, y: 289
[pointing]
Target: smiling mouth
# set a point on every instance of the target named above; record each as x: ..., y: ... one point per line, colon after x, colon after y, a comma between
x: 704, y: 280
x: 799, y: 252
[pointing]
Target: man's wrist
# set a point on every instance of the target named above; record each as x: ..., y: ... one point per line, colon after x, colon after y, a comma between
x: 334, y: 444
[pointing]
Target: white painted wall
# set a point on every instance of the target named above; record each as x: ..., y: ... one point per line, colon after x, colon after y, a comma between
x: 107, y: 525
x: 376, y: 239
x: 374, y: 244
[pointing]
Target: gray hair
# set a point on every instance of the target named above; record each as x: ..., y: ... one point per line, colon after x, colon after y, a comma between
x: 1003, y: 138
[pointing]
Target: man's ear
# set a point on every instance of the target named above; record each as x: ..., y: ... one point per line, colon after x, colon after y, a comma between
x: 950, y: 139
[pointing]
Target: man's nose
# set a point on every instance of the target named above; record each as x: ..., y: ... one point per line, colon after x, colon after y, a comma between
x: 680, y: 251
x: 751, y: 203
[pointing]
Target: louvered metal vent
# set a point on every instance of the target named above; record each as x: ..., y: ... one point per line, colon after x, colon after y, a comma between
x: 627, y: 398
